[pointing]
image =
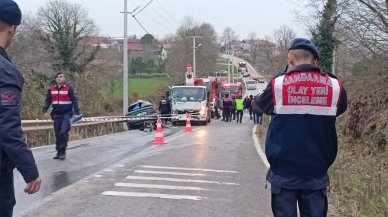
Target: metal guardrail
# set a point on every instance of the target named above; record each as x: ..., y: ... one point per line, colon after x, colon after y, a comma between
x: 35, y: 125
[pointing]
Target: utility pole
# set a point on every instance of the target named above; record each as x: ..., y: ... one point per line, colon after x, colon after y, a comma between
x: 232, y: 61
x: 194, y: 54
x: 227, y: 59
x: 125, y: 60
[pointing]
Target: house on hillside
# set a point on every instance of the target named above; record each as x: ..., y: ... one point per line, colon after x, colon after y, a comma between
x: 134, y: 45
x: 259, y: 44
x: 165, y: 50
x: 95, y: 41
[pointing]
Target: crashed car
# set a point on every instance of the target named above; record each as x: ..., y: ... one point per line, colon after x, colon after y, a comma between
x: 142, y: 108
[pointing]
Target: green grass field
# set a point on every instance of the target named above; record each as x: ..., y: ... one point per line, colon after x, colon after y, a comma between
x: 143, y: 86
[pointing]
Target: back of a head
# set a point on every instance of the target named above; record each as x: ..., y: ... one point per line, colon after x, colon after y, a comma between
x: 10, y: 13
x: 302, y: 55
x: 303, y: 51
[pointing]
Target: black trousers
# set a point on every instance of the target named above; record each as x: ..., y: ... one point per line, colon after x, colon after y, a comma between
x: 233, y: 113
x: 7, y: 192
x: 61, y: 128
x: 311, y: 203
x: 240, y: 114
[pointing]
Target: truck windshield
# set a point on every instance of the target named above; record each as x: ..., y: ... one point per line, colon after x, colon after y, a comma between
x: 188, y: 94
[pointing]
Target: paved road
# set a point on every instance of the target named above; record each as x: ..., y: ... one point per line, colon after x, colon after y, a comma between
x: 214, y: 171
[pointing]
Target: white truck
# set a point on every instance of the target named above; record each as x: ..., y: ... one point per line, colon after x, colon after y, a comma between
x: 191, y: 100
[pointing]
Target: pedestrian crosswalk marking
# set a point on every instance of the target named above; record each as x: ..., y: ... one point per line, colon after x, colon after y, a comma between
x: 163, y: 196
x: 169, y: 187
x: 168, y: 173
x: 188, y: 169
x: 177, y: 180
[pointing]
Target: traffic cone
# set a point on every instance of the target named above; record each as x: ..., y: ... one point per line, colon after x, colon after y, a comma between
x: 188, y: 124
x: 159, y: 139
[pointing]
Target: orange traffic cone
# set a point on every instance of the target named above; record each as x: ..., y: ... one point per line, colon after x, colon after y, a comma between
x: 159, y: 139
x: 188, y: 124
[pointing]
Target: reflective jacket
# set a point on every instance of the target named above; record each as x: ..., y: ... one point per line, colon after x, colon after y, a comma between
x: 301, y: 139
x: 239, y: 104
x: 14, y: 151
x: 62, y: 99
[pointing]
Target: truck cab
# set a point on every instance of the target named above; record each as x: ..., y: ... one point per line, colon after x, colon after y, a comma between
x: 191, y: 100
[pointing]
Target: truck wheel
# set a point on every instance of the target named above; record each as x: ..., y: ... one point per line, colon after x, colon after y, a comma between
x: 209, y: 120
x: 173, y: 123
x: 213, y: 114
x: 204, y: 123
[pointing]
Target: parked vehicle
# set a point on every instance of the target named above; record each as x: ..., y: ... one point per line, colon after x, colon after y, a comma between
x: 251, y: 84
x: 259, y: 79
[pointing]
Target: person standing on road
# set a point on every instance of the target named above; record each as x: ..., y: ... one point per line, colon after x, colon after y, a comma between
x: 14, y: 151
x: 233, y: 108
x: 64, y: 103
x: 164, y: 108
x: 248, y: 105
x: 227, y: 105
x: 256, y: 112
x: 301, y: 141
x: 240, y: 104
x: 217, y: 106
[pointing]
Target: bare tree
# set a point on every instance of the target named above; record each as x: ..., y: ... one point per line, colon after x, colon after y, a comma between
x: 283, y: 37
x: 228, y: 36
x: 28, y: 52
x: 65, y: 28
x: 253, y: 48
x: 182, y: 53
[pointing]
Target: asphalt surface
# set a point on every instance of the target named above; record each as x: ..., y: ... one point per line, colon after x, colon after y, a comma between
x: 214, y: 171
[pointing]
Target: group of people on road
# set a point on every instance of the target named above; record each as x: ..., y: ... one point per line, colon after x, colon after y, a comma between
x: 233, y: 108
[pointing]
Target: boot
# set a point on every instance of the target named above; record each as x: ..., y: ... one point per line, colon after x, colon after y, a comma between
x: 62, y: 155
x: 56, y: 157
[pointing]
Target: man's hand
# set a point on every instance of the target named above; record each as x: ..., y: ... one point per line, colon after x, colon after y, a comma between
x: 47, y: 115
x: 33, y: 186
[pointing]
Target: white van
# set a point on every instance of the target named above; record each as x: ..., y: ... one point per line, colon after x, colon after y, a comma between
x: 251, y: 84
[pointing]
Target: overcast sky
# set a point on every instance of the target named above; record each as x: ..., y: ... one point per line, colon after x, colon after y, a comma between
x: 162, y: 17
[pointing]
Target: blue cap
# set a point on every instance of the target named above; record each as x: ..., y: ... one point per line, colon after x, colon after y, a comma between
x: 10, y: 12
x: 305, y: 44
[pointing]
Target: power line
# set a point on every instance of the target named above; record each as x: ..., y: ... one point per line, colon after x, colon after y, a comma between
x: 140, y: 24
x: 144, y: 7
x: 157, y: 20
x: 165, y: 10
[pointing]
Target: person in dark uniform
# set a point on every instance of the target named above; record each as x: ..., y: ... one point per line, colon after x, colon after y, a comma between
x: 14, y: 152
x: 64, y: 104
x: 227, y: 104
x: 301, y: 141
x: 164, y: 108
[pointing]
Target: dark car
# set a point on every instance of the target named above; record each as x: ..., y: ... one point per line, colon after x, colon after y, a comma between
x: 144, y: 109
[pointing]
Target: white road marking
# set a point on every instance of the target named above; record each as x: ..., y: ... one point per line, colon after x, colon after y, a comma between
x: 98, y: 176
x: 188, y: 169
x: 163, y: 196
x: 119, y: 165
x: 258, y: 147
x: 171, y: 187
x: 168, y: 173
x: 177, y: 180
x: 108, y: 170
